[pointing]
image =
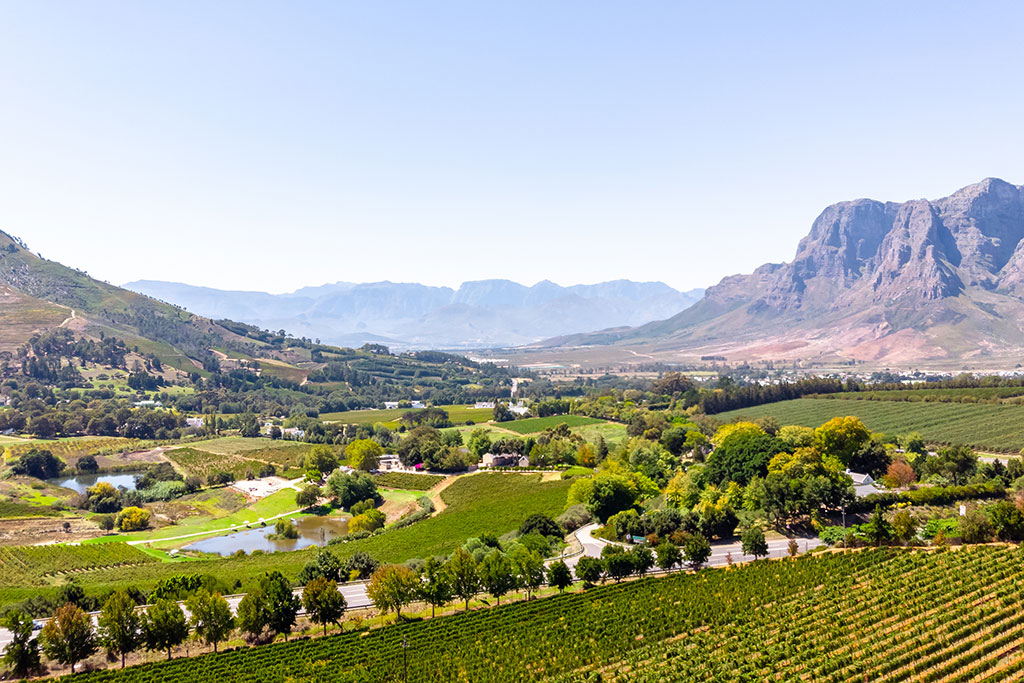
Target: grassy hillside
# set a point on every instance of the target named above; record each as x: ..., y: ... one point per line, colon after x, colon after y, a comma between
x: 991, y: 427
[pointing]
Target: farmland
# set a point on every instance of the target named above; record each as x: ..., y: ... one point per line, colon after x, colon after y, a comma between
x: 458, y: 414
x: 476, y: 504
x: 539, y: 424
x: 989, y: 427
x: 832, y: 617
x: 406, y: 480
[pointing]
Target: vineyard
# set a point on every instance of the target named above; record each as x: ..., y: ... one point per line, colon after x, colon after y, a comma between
x: 65, y: 448
x: 942, y: 395
x: 984, y: 426
x: 878, y: 615
x: 202, y: 464
x: 31, y: 565
x: 532, y: 425
x: 408, y: 481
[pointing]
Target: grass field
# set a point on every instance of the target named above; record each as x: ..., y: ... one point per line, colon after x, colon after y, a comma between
x: 830, y: 618
x: 612, y: 432
x: 532, y: 425
x: 408, y: 480
x: 989, y: 427
x: 458, y: 414
x: 479, y: 503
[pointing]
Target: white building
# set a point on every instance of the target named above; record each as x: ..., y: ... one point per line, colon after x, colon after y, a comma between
x: 389, y: 462
x: 390, y: 405
x: 418, y: 404
x: 484, y: 405
x: 195, y: 422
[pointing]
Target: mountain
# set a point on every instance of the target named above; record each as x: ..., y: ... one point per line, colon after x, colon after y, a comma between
x: 483, y: 313
x: 38, y: 295
x: 872, y: 281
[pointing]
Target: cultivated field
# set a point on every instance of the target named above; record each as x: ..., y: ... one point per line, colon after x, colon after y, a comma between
x: 457, y: 414
x: 832, y: 618
x: 532, y: 425
x: 989, y: 427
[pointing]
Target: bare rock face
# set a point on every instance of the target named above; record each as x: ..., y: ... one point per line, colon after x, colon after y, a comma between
x: 947, y: 275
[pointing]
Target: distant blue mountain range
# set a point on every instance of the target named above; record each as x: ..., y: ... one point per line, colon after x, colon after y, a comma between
x: 479, y: 314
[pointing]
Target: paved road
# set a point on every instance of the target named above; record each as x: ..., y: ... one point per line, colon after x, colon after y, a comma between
x: 355, y: 593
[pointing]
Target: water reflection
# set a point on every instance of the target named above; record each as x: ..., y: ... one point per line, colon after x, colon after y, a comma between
x: 312, y: 531
x: 81, y: 482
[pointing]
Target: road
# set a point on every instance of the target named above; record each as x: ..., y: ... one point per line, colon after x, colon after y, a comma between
x: 356, y: 597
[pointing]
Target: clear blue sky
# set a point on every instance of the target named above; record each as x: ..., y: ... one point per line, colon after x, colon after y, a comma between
x: 271, y: 145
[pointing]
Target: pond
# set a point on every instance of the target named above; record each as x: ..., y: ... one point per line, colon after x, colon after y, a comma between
x: 81, y: 482
x: 312, y: 531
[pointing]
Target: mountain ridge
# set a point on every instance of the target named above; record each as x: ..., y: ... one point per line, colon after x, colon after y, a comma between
x: 871, y: 280
x: 479, y: 313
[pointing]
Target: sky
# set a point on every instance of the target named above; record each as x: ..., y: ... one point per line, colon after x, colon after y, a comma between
x: 271, y: 145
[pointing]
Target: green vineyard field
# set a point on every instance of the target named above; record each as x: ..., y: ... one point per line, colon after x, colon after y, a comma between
x: 31, y: 565
x: 874, y: 615
x: 984, y: 426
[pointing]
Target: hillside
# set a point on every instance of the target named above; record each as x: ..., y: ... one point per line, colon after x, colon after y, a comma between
x: 872, y: 281
x: 485, y: 313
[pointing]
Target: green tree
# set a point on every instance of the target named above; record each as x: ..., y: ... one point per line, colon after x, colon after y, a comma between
x: 589, y: 570
x: 842, y: 437
x: 392, y: 587
x: 308, y: 496
x: 252, y: 616
x: 22, y: 652
x: 281, y: 602
x: 210, y: 617
x: 326, y: 564
x: 322, y: 459
x: 668, y: 555
x: 164, y: 626
x: 435, y: 584
x: 754, y: 542
x: 643, y: 559
x: 559, y: 575
x: 496, y: 574
x: 323, y: 601
x: 465, y: 577
x: 617, y: 562
x: 68, y: 637
x: 363, y: 454
x: 1007, y: 520
x: 904, y: 525
x: 529, y: 569
x: 120, y: 626
x: 975, y: 527
x: 878, y: 530
x: 696, y: 551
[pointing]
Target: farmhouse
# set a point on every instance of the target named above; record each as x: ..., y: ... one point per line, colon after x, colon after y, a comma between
x: 194, y: 422
x: 863, y: 484
x: 504, y: 460
x: 484, y: 405
x: 389, y: 462
x: 390, y: 405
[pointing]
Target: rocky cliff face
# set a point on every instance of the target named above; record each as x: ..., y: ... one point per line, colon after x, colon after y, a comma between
x: 947, y: 274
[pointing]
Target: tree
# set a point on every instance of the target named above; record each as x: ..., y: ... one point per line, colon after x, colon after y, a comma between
x: 604, y: 495
x: 904, y: 525
x: 87, y: 464
x: 742, y: 454
x: 132, y: 519
x: 363, y: 454
x: 308, y: 496
x: 322, y: 459
x: 559, y: 575
x: 350, y: 489
x: 754, y: 542
x: 589, y: 570
x: 392, y: 587
x: 210, y: 617
x: 435, y: 584
x: 369, y: 520
x: 975, y: 527
x: 252, y: 616
x: 643, y: 559
x: 1007, y: 520
x: 529, y: 569
x: 668, y: 555
x: 842, y: 437
x: 696, y: 551
x: 326, y: 564
x: 618, y: 563
x: 878, y: 529
x: 323, y: 601
x: 899, y: 474
x: 465, y: 577
x: 68, y: 637
x: 120, y: 626
x: 22, y: 653
x: 164, y: 626
x: 37, y: 463
x: 282, y: 604
x: 539, y: 523
x: 496, y: 574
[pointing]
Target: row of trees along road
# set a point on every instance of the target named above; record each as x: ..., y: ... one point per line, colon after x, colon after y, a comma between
x: 123, y: 628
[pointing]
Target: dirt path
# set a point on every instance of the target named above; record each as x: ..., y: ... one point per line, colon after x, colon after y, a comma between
x: 68, y: 320
x: 435, y: 493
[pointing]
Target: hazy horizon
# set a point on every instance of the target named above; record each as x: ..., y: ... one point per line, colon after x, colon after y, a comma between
x: 263, y: 147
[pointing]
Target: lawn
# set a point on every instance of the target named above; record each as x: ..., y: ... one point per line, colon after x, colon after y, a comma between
x: 459, y: 414
x: 532, y: 425
x: 989, y: 427
x: 612, y: 432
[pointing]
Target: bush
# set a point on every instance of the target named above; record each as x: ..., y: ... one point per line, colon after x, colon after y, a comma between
x: 132, y: 519
x: 369, y: 520
x: 575, y: 517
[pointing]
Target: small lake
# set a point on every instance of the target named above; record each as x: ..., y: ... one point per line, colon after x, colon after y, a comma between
x: 83, y: 481
x: 312, y: 531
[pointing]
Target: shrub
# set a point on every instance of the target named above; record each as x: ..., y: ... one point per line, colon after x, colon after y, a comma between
x: 132, y: 519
